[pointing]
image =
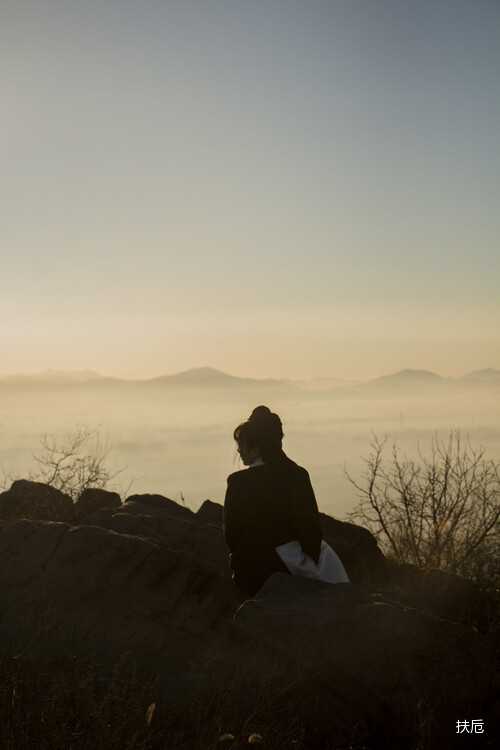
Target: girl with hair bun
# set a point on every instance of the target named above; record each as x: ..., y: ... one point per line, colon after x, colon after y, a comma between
x: 271, y: 519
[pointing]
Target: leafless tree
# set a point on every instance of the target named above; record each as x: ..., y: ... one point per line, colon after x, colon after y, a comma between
x: 442, y: 511
x: 74, y: 461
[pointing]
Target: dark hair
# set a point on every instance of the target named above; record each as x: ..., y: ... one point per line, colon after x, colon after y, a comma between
x: 262, y: 430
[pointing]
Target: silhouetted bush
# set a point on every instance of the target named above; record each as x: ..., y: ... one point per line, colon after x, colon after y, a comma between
x: 442, y: 511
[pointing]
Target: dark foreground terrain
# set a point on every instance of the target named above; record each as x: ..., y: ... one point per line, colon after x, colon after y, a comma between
x: 120, y: 628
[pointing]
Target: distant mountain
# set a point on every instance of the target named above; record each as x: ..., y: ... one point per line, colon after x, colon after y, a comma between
x: 201, y: 373
x: 54, y: 376
x: 486, y: 376
x: 404, y: 381
x: 407, y: 382
x: 200, y: 378
x: 416, y: 377
x: 208, y: 377
x: 203, y: 378
x: 409, y: 377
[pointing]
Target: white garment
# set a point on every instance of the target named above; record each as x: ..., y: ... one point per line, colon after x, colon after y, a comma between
x: 258, y: 462
x: 329, y: 567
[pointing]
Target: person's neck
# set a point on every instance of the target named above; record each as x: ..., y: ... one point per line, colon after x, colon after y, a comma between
x: 257, y: 462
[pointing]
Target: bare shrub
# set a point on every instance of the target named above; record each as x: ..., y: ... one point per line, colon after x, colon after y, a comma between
x: 74, y: 461
x: 442, y: 511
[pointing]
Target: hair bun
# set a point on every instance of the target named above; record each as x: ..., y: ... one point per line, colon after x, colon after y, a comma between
x: 262, y: 418
x: 261, y: 414
x: 262, y: 430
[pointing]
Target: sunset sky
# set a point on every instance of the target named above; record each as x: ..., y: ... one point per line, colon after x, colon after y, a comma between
x: 275, y: 188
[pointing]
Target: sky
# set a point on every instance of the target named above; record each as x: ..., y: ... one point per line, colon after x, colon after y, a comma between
x: 273, y: 188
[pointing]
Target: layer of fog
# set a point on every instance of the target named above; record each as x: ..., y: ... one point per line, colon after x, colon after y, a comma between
x: 174, y: 443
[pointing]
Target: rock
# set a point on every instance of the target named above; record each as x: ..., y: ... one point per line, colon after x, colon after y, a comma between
x: 379, y: 666
x: 35, y: 501
x: 92, y: 499
x: 165, y: 522
x: 455, y: 598
x: 211, y: 512
x: 87, y: 588
x: 145, y: 586
x: 446, y: 594
x: 357, y: 548
x: 443, y: 594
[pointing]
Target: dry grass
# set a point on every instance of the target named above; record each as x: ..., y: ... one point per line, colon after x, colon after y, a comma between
x: 71, y: 702
x: 62, y: 701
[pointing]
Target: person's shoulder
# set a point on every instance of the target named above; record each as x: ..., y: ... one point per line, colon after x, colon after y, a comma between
x: 295, y: 468
x: 234, y: 478
x: 298, y: 474
x: 244, y: 475
x: 238, y: 476
x: 301, y: 472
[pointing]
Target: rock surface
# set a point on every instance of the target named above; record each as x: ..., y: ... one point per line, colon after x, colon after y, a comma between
x: 166, y: 523
x: 120, y: 593
x: 441, y: 593
x: 35, y: 501
x: 211, y: 512
x: 93, y: 499
x: 385, y: 664
x: 356, y: 547
x: 146, y: 583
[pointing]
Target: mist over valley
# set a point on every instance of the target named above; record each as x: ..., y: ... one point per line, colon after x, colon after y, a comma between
x: 173, y: 434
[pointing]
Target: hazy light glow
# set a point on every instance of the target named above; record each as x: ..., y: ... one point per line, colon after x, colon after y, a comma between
x: 272, y: 189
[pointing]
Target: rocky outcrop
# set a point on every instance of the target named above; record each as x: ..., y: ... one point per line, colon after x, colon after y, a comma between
x: 93, y: 499
x: 356, y: 547
x: 41, y: 502
x: 166, y: 523
x: 379, y: 664
x: 442, y: 594
x: 146, y: 584
x: 211, y: 512
x: 35, y: 501
x: 119, y: 593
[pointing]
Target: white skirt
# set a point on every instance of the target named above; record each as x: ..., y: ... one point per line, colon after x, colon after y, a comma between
x: 328, y: 568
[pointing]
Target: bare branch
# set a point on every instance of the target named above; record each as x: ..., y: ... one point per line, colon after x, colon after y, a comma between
x: 443, y: 511
x: 74, y: 461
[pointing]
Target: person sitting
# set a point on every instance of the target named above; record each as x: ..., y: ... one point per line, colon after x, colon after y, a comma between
x: 271, y: 521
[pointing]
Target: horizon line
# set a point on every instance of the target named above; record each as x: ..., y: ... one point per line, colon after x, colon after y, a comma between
x: 79, y: 374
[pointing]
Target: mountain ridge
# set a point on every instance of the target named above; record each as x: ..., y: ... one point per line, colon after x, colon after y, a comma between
x: 210, y: 377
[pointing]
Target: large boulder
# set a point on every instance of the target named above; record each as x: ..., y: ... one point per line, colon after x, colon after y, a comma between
x: 383, y: 668
x: 35, y: 501
x: 167, y: 523
x: 86, y: 588
x: 211, y: 512
x: 94, y: 498
x: 453, y: 597
x: 441, y: 593
x: 357, y: 548
x: 146, y: 586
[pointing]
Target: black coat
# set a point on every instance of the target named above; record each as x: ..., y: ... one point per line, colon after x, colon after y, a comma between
x: 267, y: 506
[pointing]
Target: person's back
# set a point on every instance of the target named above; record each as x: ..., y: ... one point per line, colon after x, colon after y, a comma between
x: 269, y: 505
x: 271, y: 519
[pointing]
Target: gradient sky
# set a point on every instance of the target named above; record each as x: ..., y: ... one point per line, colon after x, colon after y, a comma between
x: 269, y: 187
